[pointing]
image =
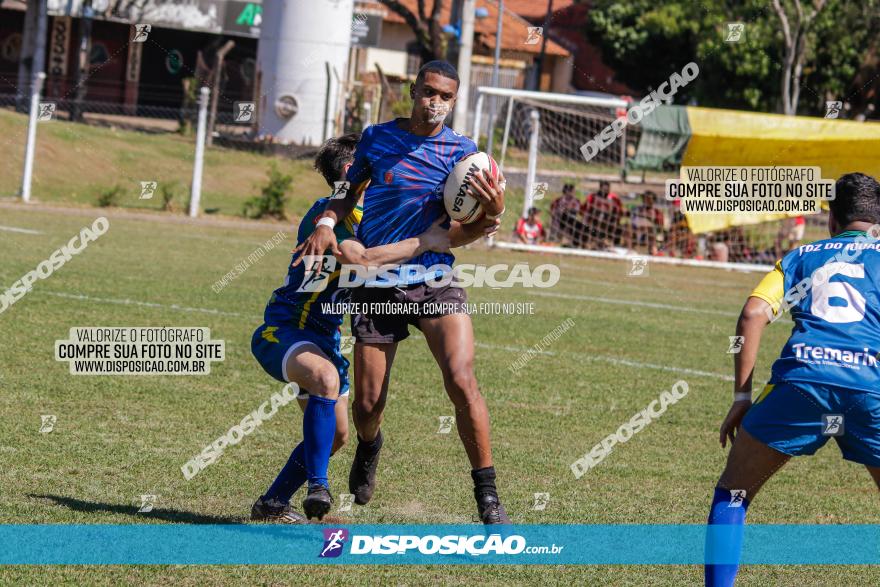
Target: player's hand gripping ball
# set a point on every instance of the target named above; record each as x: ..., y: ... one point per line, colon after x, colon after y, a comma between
x: 459, y: 196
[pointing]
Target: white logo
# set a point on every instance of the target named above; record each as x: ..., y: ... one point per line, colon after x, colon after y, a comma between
x: 446, y: 423
x: 56, y: 260
x: 832, y: 109
x: 340, y: 190
x: 346, y: 344
x: 662, y: 95
x: 244, y: 111
x: 639, y: 267
x: 832, y: 425
x: 628, y: 429
x: 535, y: 34
x: 148, y: 188
x: 236, y: 433
x: 334, y: 542
x: 735, y: 32
x: 345, y: 501
x: 736, y: 345
x: 47, y: 423
x: 316, y: 272
x: 737, y: 496
x: 541, y: 501
x: 46, y: 111
x: 539, y: 190
x: 147, y: 502
x: 463, y: 275
x: 141, y: 32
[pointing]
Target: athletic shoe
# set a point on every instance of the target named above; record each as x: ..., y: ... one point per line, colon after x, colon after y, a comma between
x: 362, y: 477
x: 317, y: 502
x: 272, y: 510
x: 491, y: 511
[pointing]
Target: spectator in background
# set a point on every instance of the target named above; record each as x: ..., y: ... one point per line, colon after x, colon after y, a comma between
x: 790, y: 235
x: 601, y: 212
x: 646, y: 222
x: 681, y: 242
x: 563, y: 214
x: 529, y: 230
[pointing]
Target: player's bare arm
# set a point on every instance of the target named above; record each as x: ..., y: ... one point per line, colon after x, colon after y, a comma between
x: 323, y: 237
x: 750, y: 326
x: 435, y: 238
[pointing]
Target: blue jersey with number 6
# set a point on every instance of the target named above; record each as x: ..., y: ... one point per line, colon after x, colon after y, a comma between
x: 832, y: 289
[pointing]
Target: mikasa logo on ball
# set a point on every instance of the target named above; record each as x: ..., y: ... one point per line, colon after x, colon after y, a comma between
x: 459, y: 198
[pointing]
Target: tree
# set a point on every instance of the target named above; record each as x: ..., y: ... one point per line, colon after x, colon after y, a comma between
x: 796, y: 33
x: 830, y: 53
x: 427, y: 28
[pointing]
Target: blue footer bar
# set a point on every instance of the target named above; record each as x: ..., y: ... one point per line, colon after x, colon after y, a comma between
x: 232, y: 544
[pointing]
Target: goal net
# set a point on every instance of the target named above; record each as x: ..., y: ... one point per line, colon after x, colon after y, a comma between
x: 612, y: 205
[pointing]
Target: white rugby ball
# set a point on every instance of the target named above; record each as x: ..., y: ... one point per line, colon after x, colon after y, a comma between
x: 460, y: 205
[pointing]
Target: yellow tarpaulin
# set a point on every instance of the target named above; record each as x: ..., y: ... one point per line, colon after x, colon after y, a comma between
x: 731, y: 137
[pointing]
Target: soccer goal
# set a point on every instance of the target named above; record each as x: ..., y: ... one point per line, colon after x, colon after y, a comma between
x: 537, y: 138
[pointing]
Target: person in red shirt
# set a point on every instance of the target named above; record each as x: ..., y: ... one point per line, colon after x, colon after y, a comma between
x: 529, y: 230
x: 602, y: 211
x: 646, y: 222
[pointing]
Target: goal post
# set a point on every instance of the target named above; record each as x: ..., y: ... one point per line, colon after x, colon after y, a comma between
x: 539, y: 137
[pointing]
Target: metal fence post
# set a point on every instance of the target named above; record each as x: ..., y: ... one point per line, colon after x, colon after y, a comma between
x: 196, y: 191
x: 30, y: 145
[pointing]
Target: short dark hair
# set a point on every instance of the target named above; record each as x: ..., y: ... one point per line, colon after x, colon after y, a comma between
x: 439, y: 67
x: 334, y: 154
x: 534, y: 210
x: 605, y: 182
x: 857, y: 197
x: 569, y: 187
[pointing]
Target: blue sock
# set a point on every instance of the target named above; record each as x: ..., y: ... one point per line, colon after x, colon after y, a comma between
x: 724, y: 537
x: 291, y: 477
x: 319, y: 428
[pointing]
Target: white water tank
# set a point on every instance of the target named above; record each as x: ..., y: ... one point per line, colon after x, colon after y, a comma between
x: 297, y: 38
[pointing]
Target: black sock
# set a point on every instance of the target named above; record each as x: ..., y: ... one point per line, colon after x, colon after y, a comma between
x: 371, y: 444
x: 484, y: 482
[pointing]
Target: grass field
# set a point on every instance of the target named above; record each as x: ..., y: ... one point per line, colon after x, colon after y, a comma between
x: 118, y: 437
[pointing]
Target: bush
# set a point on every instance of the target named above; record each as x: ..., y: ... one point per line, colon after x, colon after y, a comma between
x: 273, y: 198
x: 110, y: 196
x: 169, y: 196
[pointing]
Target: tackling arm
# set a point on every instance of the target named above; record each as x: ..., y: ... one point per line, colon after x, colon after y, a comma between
x: 434, y: 239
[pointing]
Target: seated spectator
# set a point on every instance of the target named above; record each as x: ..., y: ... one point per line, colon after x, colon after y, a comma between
x: 646, y: 222
x: 563, y: 214
x: 529, y: 230
x: 681, y: 241
x: 601, y: 212
x: 790, y: 235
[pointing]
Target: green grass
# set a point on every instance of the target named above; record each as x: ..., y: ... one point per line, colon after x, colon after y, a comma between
x: 118, y: 437
x: 74, y: 163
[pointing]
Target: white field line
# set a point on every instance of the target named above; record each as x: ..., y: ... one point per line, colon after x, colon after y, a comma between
x: 652, y: 283
x: 616, y: 256
x: 613, y: 360
x: 633, y: 303
x: 21, y: 230
x: 128, y: 302
x: 579, y: 356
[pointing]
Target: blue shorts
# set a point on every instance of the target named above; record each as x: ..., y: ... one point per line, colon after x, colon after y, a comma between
x: 272, y: 345
x: 798, y: 418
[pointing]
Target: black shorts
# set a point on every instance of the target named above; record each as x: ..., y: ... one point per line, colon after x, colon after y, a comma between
x: 387, y: 312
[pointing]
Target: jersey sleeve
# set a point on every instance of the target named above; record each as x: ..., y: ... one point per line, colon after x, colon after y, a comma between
x: 361, y: 168
x: 772, y: 288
